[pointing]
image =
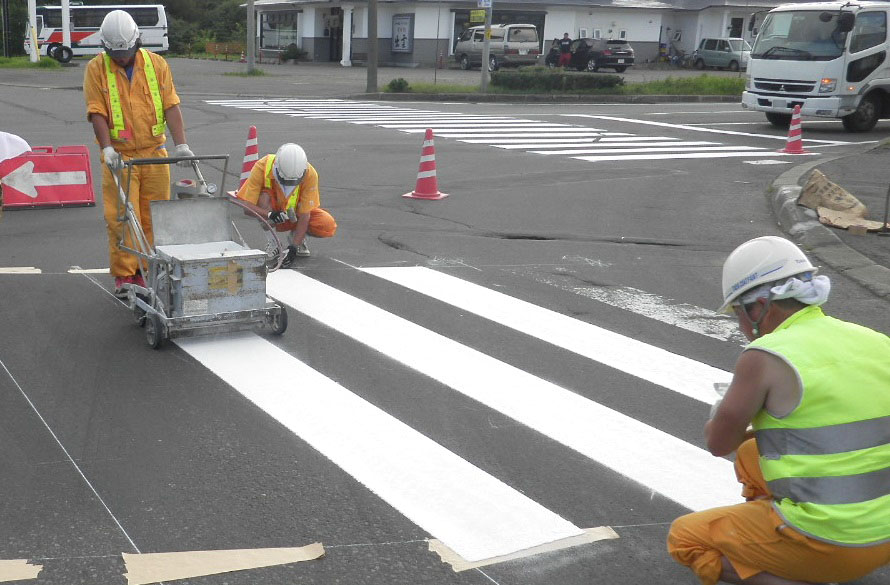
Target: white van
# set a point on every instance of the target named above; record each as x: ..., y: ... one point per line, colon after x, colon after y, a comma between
x: 511, y: 44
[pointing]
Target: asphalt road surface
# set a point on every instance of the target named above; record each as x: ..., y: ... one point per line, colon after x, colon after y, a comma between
x: 527, y: 358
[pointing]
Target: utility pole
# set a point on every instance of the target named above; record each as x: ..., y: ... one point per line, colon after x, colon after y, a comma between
x: 32, y: 29
x: 486, y: 44
x: 372, y: 47
x: 6, y: 28
x: 251, y: 36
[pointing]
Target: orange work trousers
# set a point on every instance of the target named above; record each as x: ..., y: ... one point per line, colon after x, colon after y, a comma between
x: 148, y: 183
x: 321, y: 224
x: 755, y: 539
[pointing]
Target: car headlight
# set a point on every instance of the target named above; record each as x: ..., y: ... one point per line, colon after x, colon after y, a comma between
x: 827, y: 85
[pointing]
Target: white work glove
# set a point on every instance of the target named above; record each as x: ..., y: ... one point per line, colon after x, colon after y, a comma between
x: 720, y: 388
x: 183, y: 150
x: 277, y: 217
x: 112, y: 158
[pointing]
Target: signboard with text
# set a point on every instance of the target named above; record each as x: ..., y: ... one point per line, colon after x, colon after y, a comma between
x: 403, y: 33
x: 477, y: 16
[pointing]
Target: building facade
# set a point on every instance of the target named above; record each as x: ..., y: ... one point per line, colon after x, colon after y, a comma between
x: 424, y: 32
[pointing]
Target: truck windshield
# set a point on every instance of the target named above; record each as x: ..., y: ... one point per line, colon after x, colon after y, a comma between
x: 799, y: 36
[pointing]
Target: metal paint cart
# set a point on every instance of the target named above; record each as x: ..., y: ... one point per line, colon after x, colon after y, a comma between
x: 198, y: 279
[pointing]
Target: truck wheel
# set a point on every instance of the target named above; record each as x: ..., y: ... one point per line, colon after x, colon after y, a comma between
x: 52, y: 48
x: 464, y: 62
x: 865, y: 117
x: 779, y: 120
x: 733, y: 65
x: 63, y: 54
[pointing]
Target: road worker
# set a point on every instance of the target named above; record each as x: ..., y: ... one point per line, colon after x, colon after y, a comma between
x: 285, y: 186
x: 130, y: 101
x: 815, y: 464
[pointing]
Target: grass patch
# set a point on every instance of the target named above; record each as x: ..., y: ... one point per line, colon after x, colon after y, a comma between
x: 573, y: 83
x: 255, y: 73
x: 25, y: 63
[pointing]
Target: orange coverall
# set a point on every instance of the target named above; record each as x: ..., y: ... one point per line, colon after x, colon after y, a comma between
x: 754, y: 538
x: 148, y: 182
x: 321, y: 223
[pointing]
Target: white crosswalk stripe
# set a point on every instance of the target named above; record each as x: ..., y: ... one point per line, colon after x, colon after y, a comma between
x: 473, y: 513
x: 536, y: 137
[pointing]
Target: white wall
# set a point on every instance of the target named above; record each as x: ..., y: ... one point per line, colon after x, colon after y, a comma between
x: 558, y: 22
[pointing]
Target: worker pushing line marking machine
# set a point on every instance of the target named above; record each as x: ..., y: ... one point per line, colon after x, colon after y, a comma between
x: 198, y: 279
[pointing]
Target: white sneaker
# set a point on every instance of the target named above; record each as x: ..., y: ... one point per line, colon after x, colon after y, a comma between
x: 302, y: 249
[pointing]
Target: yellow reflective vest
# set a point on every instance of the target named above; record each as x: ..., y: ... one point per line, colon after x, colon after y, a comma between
x: 827, y: 463
x: 118, y: 127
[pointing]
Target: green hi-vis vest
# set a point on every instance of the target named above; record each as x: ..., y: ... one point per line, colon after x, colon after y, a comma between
x: 294, y: 197
x: 114, y: 96
x: 827, y: 463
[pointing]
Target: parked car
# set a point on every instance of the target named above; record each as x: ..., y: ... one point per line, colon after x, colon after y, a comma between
x: 595, y: 54
x: 510, y: 44
x: 728, y: 53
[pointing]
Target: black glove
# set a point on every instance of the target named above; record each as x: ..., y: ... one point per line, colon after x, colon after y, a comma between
x: 277, y: 216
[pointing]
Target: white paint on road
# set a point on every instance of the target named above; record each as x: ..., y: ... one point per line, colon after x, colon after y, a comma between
x: 475, y: 514
x: 641, y: 453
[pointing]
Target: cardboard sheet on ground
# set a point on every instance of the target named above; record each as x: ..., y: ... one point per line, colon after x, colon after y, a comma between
x: 18, y: 570
x: 840, y: 219
x: 820, y: 192
x: 459, y: 564
x: 156, y: 567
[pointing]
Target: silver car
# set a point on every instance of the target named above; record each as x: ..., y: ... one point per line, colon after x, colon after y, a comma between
x: 728, y: 53
x: 510, y: 44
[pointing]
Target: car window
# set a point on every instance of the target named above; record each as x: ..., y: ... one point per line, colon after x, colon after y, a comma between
x: 466, y: 35
x: 722, y: 46
x: 711, y: 44
x: 497, y: 35
x: 870, y: 30
x: 524, y: 35
x: 479, y: 36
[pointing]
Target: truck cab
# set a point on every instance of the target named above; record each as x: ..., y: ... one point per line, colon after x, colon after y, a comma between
x: 829, y: 58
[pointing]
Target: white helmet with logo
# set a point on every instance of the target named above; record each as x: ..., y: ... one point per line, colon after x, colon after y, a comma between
x: 290, y: 165
x: 119, y: 33
x: 760, y: 261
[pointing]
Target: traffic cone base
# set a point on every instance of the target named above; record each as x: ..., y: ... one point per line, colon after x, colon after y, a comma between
x: 427, y: 186
x: 794, y: 144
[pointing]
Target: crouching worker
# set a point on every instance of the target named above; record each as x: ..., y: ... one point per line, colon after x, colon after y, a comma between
x: 285, y: 186
x: 816, y: 474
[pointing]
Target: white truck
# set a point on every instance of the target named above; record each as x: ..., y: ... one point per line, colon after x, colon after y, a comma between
x: 829, y: 58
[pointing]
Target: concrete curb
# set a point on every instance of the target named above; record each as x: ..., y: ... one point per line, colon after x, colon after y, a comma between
x: 802, y: 224
x: 547, y: 98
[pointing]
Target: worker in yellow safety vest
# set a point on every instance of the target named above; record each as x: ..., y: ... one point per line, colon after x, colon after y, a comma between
x: 815, y: 462
x: 130, y: 101
x: 285, y: 186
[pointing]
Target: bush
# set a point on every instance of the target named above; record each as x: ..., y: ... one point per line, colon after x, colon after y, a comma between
x: 543, y: 79
x: 399, y: 85
x: 292, y: 51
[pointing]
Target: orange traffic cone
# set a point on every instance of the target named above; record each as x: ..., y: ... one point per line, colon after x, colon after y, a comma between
x: 794, y: 145
x: 251, y: 154
x: 242, y: 60
x: 427, y: 186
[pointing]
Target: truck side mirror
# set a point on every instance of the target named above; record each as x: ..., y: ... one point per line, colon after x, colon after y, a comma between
x: 845, y: 21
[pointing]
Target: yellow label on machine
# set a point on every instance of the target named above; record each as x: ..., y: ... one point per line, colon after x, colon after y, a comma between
x: 229, y: 277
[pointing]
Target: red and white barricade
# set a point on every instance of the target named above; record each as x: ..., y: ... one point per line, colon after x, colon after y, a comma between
x: 48, y: 176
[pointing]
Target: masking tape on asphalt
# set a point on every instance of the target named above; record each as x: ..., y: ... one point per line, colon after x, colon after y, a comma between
x: 156, y: 567
x: 17, y: 570
x: 459, y: 564
x: 79, y: 270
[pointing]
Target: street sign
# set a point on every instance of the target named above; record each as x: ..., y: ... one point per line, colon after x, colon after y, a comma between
x: 483, y: 3
x: 477, y: 16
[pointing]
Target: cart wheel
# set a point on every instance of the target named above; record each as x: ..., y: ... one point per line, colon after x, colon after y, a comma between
x: 154, y: 330
x: 140, y: 316
x: 278, y: 322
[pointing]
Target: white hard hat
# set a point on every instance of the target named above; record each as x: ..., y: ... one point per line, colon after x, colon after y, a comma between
x: 119, y: 33
x: 290, y: 165
x: 760, y: 261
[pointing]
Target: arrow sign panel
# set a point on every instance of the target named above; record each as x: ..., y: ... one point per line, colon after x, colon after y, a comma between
x: 26, y: 181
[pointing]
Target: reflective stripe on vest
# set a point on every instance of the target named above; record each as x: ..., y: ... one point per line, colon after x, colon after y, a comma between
x: 295, y: 196
x: 827, y: 463
x: 114, y: 97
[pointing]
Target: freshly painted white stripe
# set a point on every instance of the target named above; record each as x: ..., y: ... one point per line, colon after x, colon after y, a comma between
x: 675, y: 372
x: 678, y: 155
x: 615, y: 146
x: 708, y: 112
x: 767, y: 162
x: 642, y: 453
x: 458, y: 125
x: 20, y: 270
x: 676, y: 147
x: 589, y: 139
x: 474, y: 513
x: 693, y: 128
x: 511, y: 134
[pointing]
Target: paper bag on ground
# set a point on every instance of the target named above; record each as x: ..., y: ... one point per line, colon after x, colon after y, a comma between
x: 820, y: 192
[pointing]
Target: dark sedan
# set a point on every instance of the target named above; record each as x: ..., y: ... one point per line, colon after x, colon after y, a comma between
x: 596, y: 54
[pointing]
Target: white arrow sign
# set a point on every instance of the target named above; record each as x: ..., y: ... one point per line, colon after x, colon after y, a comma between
x: 25, y: 180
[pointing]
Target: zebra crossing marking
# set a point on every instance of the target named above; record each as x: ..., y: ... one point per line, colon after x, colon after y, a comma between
x: 486, y: 128
x: 639, y: 452
x: 474, y: 513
